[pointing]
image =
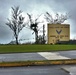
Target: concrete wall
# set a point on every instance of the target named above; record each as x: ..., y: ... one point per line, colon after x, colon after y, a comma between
x: 58, y: 32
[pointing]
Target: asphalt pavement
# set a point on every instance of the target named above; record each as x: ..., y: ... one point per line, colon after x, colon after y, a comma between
x: 70, y: 54
x: 39, y: 70
x: 38, y: 56
x: 33, y: 70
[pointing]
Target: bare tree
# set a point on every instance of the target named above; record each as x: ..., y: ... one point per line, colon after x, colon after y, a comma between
x: 16, y: 23
x: 34, y: 26
x: 58, y: 18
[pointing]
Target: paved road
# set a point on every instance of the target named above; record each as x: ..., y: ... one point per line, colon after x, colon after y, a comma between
x: 20, y: 57
x: 38, y: 56
x: 34, y: 70
x: 70, y: 54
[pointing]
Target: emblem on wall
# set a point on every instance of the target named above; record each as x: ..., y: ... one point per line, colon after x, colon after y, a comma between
x: 58, y: 31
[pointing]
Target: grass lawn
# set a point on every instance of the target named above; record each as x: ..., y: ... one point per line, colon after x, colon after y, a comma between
x: 34, y: 48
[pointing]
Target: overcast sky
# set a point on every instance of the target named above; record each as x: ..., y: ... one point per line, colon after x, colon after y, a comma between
x: 35, y: 7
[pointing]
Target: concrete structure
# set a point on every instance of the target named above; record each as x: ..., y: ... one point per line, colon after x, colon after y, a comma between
x: 58, y: 32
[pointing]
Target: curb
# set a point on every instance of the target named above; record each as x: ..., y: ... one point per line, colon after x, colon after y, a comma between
x: 38, y: 63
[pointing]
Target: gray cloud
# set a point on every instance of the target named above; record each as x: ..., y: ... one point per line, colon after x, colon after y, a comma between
x: 70, y: 8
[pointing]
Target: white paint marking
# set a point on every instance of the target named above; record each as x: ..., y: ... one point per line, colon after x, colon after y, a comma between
x: 52, y: 56
x: 70, y: 69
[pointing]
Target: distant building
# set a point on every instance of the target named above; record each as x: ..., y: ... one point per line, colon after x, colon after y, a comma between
x: 58, y: 32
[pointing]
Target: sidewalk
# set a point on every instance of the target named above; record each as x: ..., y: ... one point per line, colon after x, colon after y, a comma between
x: 31, y: 56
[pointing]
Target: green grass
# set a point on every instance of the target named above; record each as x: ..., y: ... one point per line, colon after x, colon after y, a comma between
x: 34, y: 48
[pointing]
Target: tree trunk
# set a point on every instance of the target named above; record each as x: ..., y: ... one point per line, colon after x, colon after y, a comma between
x: 17, y: 40
x: 36, y: 37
